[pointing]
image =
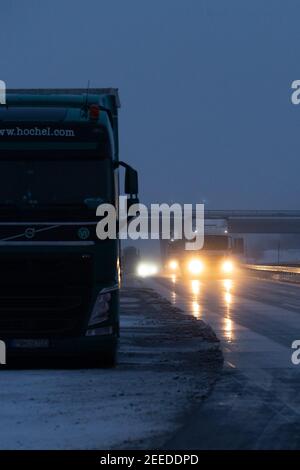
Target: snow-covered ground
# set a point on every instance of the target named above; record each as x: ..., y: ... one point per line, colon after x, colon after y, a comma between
x: 167, y: 362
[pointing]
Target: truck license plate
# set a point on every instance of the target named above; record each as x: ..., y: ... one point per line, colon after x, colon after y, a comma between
x: 30, y: 343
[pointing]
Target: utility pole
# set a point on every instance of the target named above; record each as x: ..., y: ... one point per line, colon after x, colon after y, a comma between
x: 278, y: 252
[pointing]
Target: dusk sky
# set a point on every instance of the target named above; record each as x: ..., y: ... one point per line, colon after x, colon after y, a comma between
x: 204, y: 85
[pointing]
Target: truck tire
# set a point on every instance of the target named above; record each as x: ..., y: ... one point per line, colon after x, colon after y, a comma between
x: 105, y: 360
x: 109, y: 359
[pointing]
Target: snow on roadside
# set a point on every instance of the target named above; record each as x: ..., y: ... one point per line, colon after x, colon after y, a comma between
x: 167, y: 362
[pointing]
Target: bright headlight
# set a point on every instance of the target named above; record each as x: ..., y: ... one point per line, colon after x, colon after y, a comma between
x: 227, y: 267
x: 195, y: 266
x: 147, y: 269
x: 173, y: 264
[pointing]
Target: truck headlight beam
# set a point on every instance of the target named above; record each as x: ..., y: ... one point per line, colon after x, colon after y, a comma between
x: 147, y: 269
x: 173, y: 265
x: 227, y: 267
x: 195, y: 266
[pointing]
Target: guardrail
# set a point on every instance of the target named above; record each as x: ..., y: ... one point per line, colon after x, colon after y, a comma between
x: 275, y: 272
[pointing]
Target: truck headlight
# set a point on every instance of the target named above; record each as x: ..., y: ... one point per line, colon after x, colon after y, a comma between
x: 227, y: 267
x: 147, y: 269
x: 100, y: 310
x: 173, y: 265
x: 195, y: 266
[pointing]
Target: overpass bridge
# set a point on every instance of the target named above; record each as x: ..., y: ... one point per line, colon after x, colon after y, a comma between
x: 255, y: 221
x: 256, y: 230
x: 259, y: 221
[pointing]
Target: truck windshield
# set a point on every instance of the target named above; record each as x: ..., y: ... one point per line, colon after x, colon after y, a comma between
x: 211, y: 242
x: 54, y: 164
x: 56, y: 181
x: 215, y: 242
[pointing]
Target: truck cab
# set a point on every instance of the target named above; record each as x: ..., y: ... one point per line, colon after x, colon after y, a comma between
x: 59, y: 160
x: 215, y: 259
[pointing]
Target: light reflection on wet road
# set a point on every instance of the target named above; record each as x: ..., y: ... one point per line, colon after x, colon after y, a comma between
x: 233, y: 305
x: 256, y: 321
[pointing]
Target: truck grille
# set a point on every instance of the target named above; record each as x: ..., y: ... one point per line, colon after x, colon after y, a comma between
x: 44, y: 295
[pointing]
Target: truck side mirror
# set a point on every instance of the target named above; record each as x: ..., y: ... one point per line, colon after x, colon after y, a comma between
x: 131, y: 183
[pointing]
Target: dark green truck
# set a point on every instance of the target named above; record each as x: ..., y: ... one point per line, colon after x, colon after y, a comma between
x: 59, y: 159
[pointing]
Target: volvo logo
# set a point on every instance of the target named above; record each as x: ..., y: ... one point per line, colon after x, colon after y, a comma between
x: 83, y: 233
x: 30, y: 232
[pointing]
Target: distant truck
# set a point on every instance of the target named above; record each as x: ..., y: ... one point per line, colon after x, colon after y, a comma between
x: 59, y: 159
x: 130, y: 259
x: 214, y: 259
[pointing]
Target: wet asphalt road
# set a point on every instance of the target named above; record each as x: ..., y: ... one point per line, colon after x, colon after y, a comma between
x: 256, y: 403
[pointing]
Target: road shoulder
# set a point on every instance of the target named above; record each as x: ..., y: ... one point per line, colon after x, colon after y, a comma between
x: 177, y: 357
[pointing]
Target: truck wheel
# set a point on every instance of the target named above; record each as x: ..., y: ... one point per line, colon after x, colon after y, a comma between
x: 102, y: 360
x: 109, y: 359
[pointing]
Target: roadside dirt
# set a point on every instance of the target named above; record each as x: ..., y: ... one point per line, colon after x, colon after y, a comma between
x: 180, y: 354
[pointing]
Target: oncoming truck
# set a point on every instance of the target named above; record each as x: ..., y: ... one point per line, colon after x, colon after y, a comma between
x: 59, y: 160
x: 214, y: 259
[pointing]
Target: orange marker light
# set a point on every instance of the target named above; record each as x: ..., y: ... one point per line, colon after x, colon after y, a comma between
x: 94, y: 112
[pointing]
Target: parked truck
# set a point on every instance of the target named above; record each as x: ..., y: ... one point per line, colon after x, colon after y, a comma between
x: 59, y: 160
